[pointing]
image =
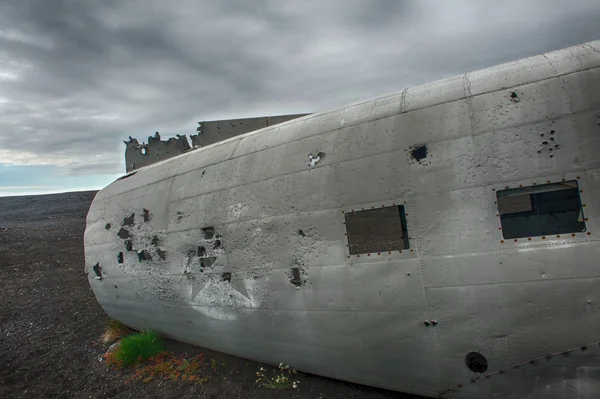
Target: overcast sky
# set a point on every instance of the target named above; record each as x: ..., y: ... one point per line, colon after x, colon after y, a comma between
x: 78, y: 77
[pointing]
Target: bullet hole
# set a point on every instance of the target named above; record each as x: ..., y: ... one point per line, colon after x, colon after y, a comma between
x: 207, y: 262
x: 128, y: 221
x: 107, y: 227
x: 556, y: 146
x: 301, y: 233
x: 226, y: 277
x: 179, y: 215
x: 550, y: 149
x: 155, y: 241
x: 146, y: 215
x: 128, y: 245
x: 551, y: 131
x: 539, y: 151
x: 217, y: 244
x: 544, y: 142
x: 542, y: 134
x: 514, y: 97
x: 419, y: 153
x: 476, y: 362
x: 295, y: 277
x: 97, y: 270
x: 116, y: 286
x: 209, y: 233
x: 144, y: 255
x: 161, y: 254
x: 203, y: 172
x: 201, y: 251
x: 426, y: 323
x: 551, y: 138
x: 124, y: 233
x: 120, y: 257
x: 434, y: 322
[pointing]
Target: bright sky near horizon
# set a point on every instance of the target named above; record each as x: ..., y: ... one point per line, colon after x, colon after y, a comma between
x: 78, y: 77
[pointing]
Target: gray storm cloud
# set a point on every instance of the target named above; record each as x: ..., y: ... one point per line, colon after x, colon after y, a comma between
x: 78, y: 77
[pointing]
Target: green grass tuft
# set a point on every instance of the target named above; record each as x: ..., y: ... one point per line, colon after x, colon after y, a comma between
x: 138, y: 347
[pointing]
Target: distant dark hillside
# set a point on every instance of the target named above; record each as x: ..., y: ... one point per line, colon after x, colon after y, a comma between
x: 37, y: 207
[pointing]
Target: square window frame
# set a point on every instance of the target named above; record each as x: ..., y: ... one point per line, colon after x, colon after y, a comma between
x: 584, y: 195
x: 411, y: 252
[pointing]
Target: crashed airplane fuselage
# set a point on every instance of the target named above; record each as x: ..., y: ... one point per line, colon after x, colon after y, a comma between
x: 442, y: 241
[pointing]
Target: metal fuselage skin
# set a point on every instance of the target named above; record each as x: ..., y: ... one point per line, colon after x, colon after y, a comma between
x: 241, y: 246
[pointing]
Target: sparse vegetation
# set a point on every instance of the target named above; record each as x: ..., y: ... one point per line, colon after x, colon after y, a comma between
x: 114, y: 331
x: 281, y: 380
x: 135, y: 348
x: 167, y: 366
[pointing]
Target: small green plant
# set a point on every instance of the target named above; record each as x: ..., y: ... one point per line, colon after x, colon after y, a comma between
x: 281, y: 380
x: 136, y: 348
x: 114, y: 331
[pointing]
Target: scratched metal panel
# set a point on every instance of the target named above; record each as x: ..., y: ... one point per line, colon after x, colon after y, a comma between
x: 283, y: 159
x: 280, y: 134
x: 390, y: 368
x: 436, y: 123
x: 449, y: 164
x: 357, y: 113
x: 387, y: 106
x: 582, y: 89
x: 592, y: 195
x: 455, y: 221
x: 575, y: 58
x: 370, y: 179
x: 277, y: 241
x: 539, y: 149
x: 538, y: 101
x: 429, y: 94
x: 525, y: 264
x: 367, y: 139
x: 470, y: 318
x: 385, y: 285
x: 510, y: 75
x: 394, y: 332
x: 203, y: 157
x: 587, y: 126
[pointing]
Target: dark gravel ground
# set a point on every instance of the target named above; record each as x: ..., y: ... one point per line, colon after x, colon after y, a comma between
x: 50, y: 321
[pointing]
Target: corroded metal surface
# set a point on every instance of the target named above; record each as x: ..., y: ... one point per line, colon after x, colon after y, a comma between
x: 241, y: 246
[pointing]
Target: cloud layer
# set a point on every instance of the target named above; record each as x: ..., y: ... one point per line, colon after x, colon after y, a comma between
x: 78, y: 77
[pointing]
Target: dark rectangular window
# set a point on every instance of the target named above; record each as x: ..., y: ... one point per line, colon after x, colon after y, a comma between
x: 541, y: 210
x: 377, y: 230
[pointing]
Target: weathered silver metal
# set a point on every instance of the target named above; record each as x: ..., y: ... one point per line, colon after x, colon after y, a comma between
x: 241, y: 246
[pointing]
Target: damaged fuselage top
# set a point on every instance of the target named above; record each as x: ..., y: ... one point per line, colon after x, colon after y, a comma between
x: 442, y: 241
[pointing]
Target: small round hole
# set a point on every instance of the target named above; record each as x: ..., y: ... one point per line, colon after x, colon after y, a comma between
x: 476, y: 362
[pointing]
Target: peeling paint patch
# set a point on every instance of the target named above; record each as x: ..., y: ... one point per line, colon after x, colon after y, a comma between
x: 129, y: 220
x: 124, y: 233
x: 128, y: 245
x: 146, y: 215
x: 144, y: 255
x: 209, y: 233
x: 161, y: 254
x: 295, y: 277
x: 201, y: 251
x: 226, y: 277
x: 155, y: 241
x: 217, y: 244
x: 312, y: 160
x: 120, y: 257
x: 207, y: 262
x: 98, y: 271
